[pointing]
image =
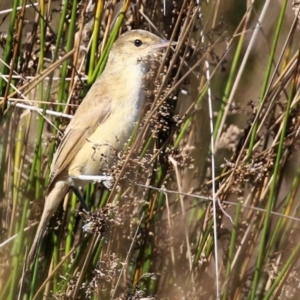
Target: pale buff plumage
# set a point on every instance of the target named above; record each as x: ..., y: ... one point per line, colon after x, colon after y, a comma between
x: 103, y: 123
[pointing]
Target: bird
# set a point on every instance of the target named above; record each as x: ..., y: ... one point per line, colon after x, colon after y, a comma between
x: 102, y: 124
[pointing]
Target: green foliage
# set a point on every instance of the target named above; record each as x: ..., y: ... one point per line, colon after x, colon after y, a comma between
x: 153, y: 234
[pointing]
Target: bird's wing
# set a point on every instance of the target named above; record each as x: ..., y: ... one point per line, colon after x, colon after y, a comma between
x: 87, y: 118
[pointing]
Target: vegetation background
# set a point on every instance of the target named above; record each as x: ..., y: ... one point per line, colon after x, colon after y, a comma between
x: 205, y: 204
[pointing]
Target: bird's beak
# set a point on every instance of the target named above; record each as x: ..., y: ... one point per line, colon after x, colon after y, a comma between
x: 163, y: 44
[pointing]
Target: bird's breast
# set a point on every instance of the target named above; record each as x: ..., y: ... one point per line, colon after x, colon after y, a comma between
x: 102, y: 148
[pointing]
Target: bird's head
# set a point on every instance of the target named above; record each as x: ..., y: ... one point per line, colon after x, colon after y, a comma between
x: 136, y: 45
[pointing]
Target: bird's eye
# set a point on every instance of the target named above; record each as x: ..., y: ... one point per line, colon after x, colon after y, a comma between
x: 138, y: 43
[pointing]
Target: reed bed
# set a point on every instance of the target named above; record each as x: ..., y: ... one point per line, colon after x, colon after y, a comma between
x: 204, y: 204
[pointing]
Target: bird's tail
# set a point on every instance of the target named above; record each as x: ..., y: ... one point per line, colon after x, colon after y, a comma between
x: 52, y: 201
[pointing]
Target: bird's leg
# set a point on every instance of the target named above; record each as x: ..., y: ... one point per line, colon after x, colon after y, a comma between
x: 107, y: 181
x: 80, y: 198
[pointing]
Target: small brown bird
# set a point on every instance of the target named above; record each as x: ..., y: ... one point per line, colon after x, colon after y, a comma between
x: 103, y: 122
